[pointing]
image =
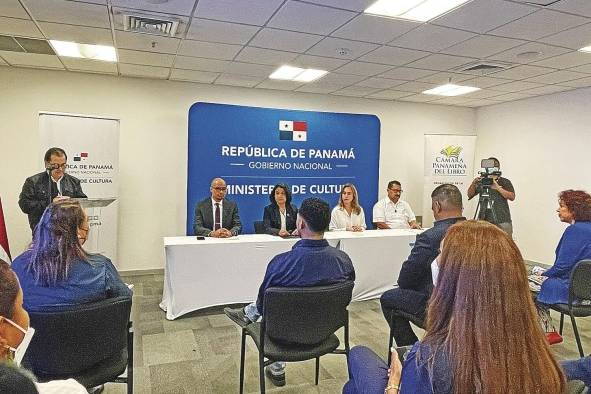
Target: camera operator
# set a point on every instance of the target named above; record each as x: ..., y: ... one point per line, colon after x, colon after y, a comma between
x: 501, y: 190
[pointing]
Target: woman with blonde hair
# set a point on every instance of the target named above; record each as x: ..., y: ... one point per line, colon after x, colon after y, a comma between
x: 482, y: 333
x: 348, y: 214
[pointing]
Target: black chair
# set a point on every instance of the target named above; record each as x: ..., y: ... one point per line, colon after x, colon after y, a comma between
x: 411, y: 318
x: 579, y: 289
x: 259, y: 227
x: 91, y: 343
x: 298, y: 324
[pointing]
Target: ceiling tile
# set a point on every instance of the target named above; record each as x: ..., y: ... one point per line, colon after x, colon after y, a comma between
x: 456, y: 100
x: 193, y: 76
x: 578, y: 83
x: 284, y: 40
x: 419, y: 98
x: 238, y: 80
x: 355, y: 91
x: 229, y: 33
x: 146, y: 42
x: 255, y: 70
x: 332, y: 47
x: 549, y: 89
x: 482, y: 46
x: 318, y: 88
x: 250, y: 12
x: 521, y: 72
x: 87, y: 65
x: 278, y: 85
x: 539, y: 24
x: 512, y: 96
x: 557, y: 77
x: 342, y: 79
x: 416, y: 87
x: 393, y: 56
x: 352, y: 5
x: 431, y: 38
x: 513, y: 87
x: 444, y: 77
x: 440, y: 62
x: 265, y: 56
x: 374, y: 29
x: 3, y: 63
x: 13, y: 9
x: 582, y: 69
x: 361, y: 68
x: 134, y: 70
x: 481, y: 16
x: 209, y: 49
x: 120, y: 13
x: 19, y: 27
x: 69, y: 12
x: 575, y: 38
x: 201, y: 64
x: 389, y: 94
x: 309, y: 18
x: 567, y: 60
x: 31, y: 60
x: 380, y: 83
x: 79, y: 34
x: 486, y: 82
x: 579, y: 7
x: 323, y: 63
x: 178, y: 7
x: 407, y: 74
x: 481, y: 103
x: 145, y: 58
x: 482, y: 94
x: 544, y: 50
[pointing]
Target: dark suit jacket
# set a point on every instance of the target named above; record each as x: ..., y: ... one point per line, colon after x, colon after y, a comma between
x: 415, y: 273
x: 203, y: 223
x: 34, y: 197
x: 272, y: 218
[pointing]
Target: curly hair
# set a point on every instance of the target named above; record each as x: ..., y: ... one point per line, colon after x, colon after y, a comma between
x: 578, y: 203
x: 285, y: 189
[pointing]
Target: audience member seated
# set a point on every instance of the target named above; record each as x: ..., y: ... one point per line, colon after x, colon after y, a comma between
x: 414, y: 281
x: 482, y: 333
x: 310, y: 262
x: 15, y: 336
x: 56, y: 271
x: 348, y: 214
x: 574, y: 208
x: 217, y: 216
x: 280, y: 216
x: 392, y: 212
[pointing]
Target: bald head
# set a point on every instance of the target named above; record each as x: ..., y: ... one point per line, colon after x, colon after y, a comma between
x: 218, y: 189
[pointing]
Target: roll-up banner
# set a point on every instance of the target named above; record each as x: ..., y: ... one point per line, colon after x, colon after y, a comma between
x: 449, y: 158
x: 92, y: 146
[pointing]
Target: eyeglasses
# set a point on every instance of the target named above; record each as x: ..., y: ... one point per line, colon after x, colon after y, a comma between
x: 219, y: 189
x: 396, y: 190
x: 55, y: 166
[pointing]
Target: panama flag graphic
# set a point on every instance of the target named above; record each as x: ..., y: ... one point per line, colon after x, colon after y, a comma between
x: 292, y: 130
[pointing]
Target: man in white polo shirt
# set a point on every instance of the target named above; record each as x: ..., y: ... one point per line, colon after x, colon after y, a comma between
x: 392, y: 212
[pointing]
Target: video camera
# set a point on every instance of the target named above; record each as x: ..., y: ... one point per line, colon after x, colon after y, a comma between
x: 490, y: 170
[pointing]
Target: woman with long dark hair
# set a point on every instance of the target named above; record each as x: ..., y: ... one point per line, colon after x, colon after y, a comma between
x: 280, y: 216
x: 482, y: 333
x: 57, y: 271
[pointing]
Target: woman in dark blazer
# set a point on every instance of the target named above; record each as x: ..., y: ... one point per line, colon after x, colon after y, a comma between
x: 280, y: 216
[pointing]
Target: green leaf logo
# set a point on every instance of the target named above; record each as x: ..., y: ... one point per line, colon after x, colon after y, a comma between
x: 451, y: 151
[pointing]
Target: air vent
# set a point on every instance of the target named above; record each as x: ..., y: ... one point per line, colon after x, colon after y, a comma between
x: 483, y: 67
x: 150, y: 25
x: 28, y: 45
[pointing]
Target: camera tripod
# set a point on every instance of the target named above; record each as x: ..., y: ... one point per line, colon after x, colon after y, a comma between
x: 484, y: 209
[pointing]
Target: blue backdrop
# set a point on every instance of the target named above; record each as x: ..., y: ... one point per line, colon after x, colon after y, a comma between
x: 255, y: 148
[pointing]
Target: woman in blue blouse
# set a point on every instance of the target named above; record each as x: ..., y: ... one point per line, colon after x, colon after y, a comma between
x: 280, y: 216
x: 482, y: 333
x: 56, y: 271
x: 574, y: 208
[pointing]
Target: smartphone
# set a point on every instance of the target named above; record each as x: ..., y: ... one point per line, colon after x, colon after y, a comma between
x: 200, y: 237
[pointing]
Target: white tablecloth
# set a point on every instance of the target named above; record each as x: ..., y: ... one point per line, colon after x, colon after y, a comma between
x: 204, y: 273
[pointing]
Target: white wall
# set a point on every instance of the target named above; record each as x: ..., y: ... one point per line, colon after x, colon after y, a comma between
x: 153, y: 147
x: 543, y: 144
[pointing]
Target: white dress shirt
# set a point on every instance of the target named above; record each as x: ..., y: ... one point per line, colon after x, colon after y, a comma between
x: 395, y: 215
x: 69, y: 386
x: 58, y: 183
x: 213, y: 202
x: 341, y: 220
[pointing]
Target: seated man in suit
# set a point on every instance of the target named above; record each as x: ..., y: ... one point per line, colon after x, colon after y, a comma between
x: 415, y: 281
x: 216, y: 216
x: 310, y: 262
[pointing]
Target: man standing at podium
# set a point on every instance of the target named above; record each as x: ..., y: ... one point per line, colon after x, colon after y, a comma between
x: 48, y: 186
x: 216, y: 216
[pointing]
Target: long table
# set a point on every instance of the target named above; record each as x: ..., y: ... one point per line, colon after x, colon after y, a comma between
x: 203, y: 273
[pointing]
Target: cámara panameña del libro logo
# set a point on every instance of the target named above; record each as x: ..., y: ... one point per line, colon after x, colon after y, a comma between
x: 450, y: 161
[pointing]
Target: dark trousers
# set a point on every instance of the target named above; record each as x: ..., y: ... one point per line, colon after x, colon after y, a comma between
x: 400, y: 307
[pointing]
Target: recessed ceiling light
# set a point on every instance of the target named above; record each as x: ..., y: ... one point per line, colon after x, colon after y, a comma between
x: 586, y: 49
x: 416, y: 10
x: 298, y: 74
x: 85, y: 51
x: 449, y: 89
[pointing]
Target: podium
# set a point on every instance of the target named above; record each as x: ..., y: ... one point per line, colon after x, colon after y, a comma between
x: 93, y: 208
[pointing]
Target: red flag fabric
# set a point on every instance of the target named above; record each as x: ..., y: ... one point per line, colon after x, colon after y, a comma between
x: 4, y: 249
